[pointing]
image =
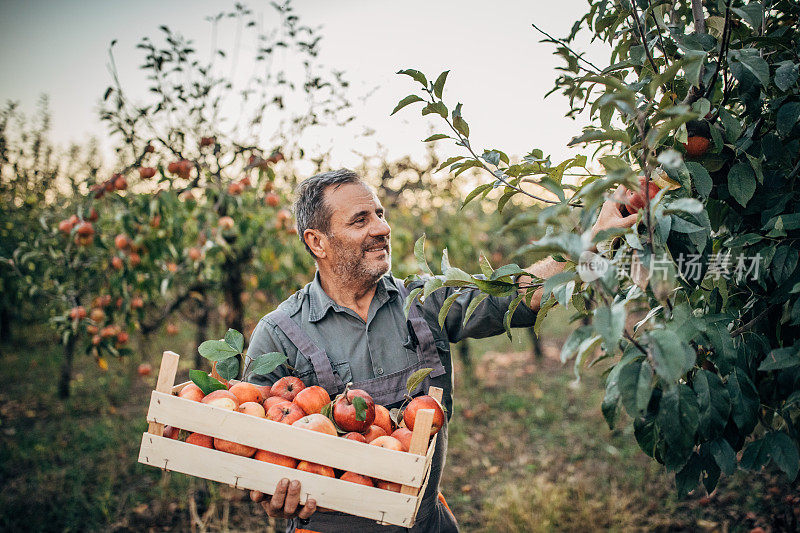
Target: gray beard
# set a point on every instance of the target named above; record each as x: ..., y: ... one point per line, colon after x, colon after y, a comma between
x: 350, y: 266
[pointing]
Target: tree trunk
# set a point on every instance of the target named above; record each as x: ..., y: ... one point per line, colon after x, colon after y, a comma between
x: 466, y: 360
x: 233, y: 287
x: 66, y: 368
x: 5, y: 324
x: 201, y: 333
x: 536, y: 345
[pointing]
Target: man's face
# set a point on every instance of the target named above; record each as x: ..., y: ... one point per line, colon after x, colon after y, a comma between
x: 359, y: 249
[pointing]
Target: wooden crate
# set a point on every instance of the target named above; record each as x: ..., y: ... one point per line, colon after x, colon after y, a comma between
x: 411, y: 470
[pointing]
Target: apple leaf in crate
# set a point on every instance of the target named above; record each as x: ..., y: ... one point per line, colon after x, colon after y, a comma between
x: 416, y: 379
x: 267, y: 363
x: 361, y: 408
x: 206, y: 383
x: 217, y: 350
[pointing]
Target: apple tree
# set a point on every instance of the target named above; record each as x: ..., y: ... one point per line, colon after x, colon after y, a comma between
x: 694, y: 311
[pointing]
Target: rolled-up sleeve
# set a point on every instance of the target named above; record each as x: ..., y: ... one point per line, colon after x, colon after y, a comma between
x: 263, y: 340
x: 485, y: 321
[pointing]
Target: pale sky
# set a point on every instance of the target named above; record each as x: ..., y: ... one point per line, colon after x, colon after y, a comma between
x: 499, y: 70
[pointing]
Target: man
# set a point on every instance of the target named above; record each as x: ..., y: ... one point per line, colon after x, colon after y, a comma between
x: 348, y: 325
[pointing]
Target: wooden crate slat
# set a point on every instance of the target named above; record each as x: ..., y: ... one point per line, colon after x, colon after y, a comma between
x: 245, y: 473
x: 373, y: 461
x: 419, y: 440
x: 166, y: 380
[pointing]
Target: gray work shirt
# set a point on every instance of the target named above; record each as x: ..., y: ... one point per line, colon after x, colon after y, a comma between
x: 382, y: 345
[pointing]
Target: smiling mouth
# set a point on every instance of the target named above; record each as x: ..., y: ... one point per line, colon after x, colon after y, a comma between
x: 383, y: 248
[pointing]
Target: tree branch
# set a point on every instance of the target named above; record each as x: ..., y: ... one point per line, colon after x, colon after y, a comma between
x: 697, y: 15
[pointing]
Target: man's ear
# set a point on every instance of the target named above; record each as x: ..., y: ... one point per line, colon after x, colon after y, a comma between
x: 317, y: 241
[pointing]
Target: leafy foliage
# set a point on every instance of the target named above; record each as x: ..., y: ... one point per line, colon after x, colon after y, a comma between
x: 703, y: 104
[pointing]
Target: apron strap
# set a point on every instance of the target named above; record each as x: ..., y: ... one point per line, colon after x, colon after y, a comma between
x: 319, y: 359
x: 426, y: 346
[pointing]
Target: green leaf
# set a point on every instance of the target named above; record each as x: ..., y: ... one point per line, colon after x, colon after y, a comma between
x: 687, y: 479
x: 267, y: 363
x: 783, y: 263
x: 410, y: 99
x: 473, y: 304
x: 510, y: 313
x: 449, y: 161
x: 687, y: 205
x: 700, y: 177
x: 437, y: 107
x: 484, y: 188
x: 724, y: 455
x: 601, y: 135
x: 787, y: 117
x: 417, y: 75
x: 541, y: 314
x: 755, y: 455
x: 783, y: 451
x: 229, y: 368
x: 507, y: 270
x: 438, y: 85
x: 570, y: 346
x: 609, y: 323
x: 419, y: 254
x: 672, y: 357
x: 742, y: 183
x: 781, y: 358
x: 786, y: 75
x: 744, y: 399
x: 461, y: 125
x: 635, y: 387
x: 448, y: 302
x: 206, y: 383
x: 714, y: 402
x: 432, y: 285
x: 235, y: 340
x: 679, y: 417
x: 410, y: 300
x: 217, y: 350
x: 751, y: 59
x: 436, y: 137
x: 733, y: 128
x: 416, y: 379
x: 752, y: 13
x: 361, y: 408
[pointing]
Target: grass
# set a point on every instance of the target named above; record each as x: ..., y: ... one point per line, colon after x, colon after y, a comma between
x: 529, y: 451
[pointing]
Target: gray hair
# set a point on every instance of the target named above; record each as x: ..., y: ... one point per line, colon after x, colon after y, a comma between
x: 310, y: 209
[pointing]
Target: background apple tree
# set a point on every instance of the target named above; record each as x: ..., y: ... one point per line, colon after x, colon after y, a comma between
x: 695, y: 311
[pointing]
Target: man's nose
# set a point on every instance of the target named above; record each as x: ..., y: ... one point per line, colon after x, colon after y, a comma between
x: 381, y: 228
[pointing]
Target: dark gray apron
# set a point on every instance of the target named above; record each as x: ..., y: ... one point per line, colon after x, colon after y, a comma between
x: 385, y: 390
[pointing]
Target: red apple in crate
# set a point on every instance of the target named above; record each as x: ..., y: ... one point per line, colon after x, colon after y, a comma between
x: 252, y: 409
x: 387, y: 485
x: 287, y: 387
x: 344, y: 411
x: 223, y: 399
x: 200, y: 440
x: 390, y: 443
x: 285, y: 412
x: 352, y: 477
x: 317, y: 422
x: 272, y: 400
x: 373, y: 432
x: 355, y: 436
x: 275, y: 458
x: 404, y: 436
x: 266, y: 390
x: 424, y: 402
x: 247, y: 392
x: 312, y: 399
x: 172, y: 432
x: 315, y: 468
x: 191, y: 392
x: 383, y: 419
x: 233, y: 447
